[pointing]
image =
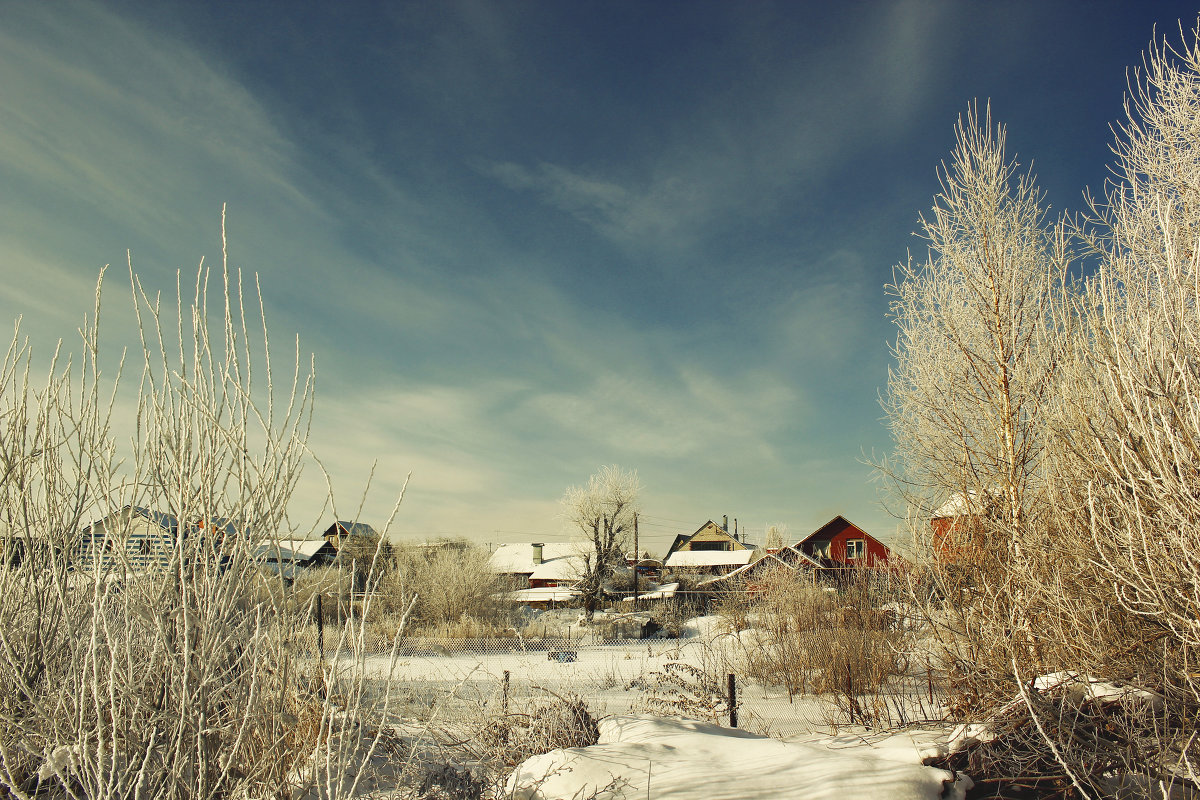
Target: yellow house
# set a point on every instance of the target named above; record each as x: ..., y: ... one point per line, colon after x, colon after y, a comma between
x: 710, y: 549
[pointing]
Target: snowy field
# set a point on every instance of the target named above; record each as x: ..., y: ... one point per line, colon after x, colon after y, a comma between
x: 612, y: 678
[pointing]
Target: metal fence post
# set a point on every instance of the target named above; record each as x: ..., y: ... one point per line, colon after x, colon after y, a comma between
x: 320, y: 629
x: 733, y: 720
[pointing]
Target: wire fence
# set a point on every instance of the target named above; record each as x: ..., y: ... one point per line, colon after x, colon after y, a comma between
x: 684, y: 677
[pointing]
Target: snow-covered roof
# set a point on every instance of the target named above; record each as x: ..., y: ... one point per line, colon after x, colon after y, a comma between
x: 289, y: 549
x: 740, y: 571
x: 709, y: 558
x: 792, y: 553
x: 664, y: 592
x: 961, y: 504
x: 517, y: 557
x: 559, y: 569
x: 557, y: 594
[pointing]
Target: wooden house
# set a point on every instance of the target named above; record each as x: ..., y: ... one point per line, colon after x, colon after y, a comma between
x: 712, y: 550
x: 337, y: 533
x: 140, y: 539
x: 538, y: 565
x: 287, y: 557
x: 841, y: 543
x: 958, y: 522
x: 709, y: 537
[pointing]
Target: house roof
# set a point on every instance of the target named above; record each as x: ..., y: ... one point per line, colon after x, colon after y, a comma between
x: 559, y: 569
x: 350, y: 529
x: 763, y: 563
x: 295, y: 550
x: 683, y: 539
x: 963, y: 504
x: 709, y: 558
x: 664, y: 592
x: 833, y: 528
x: 165, y: 521
x: 556, y: 594
x: 791, y: 554
x: 516, y: 558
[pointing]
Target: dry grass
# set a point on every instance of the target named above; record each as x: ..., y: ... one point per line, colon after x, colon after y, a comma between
x: 809, y: 639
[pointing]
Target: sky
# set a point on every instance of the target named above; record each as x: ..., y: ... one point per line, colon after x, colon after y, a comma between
x: 524, y: 240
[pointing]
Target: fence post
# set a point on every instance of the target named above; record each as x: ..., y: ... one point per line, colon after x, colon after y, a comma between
x: 320, y: 629
x: 732, y: 701
x: 504, y: 696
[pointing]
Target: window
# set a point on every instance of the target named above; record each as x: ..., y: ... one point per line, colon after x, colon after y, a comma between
x: 855, y: 548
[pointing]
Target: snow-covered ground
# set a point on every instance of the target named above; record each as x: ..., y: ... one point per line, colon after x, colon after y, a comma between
x: 666, y: 758
x: 612, y: 679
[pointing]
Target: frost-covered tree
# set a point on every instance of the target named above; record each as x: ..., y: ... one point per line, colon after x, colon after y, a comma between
x: 182, y: 680
x: 1134, y: 426
x: 1076, y: 414
x: 603, y: 510
x: 976, y: 359
x: 975, y: 351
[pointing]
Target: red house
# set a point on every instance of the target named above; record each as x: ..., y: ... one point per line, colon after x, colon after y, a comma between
x: 958, y: 523
x: 840, y: 542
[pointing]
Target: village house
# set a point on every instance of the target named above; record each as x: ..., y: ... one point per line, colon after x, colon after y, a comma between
x: 541, y: 574
x: 710, y: 550
x: 287, y: 557
x: 957, y: 523
x: 840, y: 543
x: 339, y: 532
x: 139, y: 538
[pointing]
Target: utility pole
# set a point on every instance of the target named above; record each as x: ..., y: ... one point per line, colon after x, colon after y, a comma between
x: 636, y: 558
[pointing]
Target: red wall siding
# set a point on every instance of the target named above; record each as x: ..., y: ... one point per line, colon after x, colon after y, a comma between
x: 876, y: 553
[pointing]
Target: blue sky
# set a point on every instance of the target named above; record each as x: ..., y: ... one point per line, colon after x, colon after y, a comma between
x: 525, y: 239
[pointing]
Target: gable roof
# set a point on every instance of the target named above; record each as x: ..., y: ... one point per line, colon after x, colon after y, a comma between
x: 683, y: 539
x: 516, y: 558
x: 346, y: 528
x: 165, y: 521
x: 298, y: 550
x: 962, y: 504
x: 794, y: 557
x: 766, y: 562
x: 833, y: 528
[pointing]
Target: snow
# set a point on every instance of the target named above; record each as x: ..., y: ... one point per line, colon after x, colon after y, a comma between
x: 556, y: 594
x: 664, y: 757
x: 709, y: 558
x: 664, y: 592
x: 517, y: 557
x: 289, y: 549
x: 1084, y: 687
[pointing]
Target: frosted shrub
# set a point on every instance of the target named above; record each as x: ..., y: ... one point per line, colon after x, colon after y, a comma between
x: 175, y: 679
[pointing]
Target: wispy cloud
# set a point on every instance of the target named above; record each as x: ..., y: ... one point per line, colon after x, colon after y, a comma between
x: 789, y: 124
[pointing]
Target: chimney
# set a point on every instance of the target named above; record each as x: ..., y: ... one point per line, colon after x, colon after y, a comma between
x: 537, y: 553
x: 725, y: 523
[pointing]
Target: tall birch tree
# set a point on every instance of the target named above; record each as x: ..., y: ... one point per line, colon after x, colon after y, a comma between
x: 975, y: 351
